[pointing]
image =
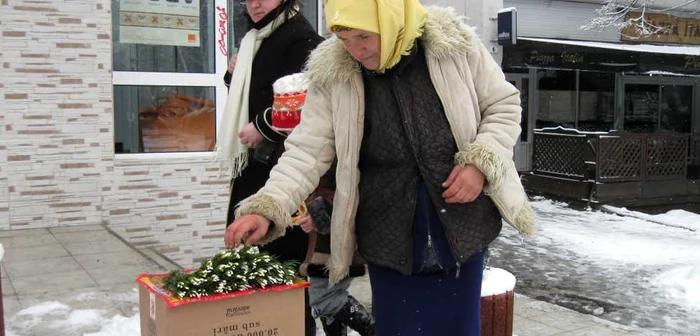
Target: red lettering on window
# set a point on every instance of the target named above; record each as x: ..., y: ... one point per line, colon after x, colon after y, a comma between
x: 223, y: 19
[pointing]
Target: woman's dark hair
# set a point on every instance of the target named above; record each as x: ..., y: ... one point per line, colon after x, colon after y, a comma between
x: 288, y: 7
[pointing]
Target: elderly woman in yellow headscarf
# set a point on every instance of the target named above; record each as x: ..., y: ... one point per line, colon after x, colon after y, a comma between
x: 423, y: 124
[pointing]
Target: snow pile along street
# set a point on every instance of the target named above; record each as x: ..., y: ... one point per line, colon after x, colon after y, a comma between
x: 637, y: 269
x: 682, y: 284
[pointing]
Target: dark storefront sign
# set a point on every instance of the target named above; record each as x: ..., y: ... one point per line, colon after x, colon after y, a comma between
x: 560, y: 56
x: 507, y: 27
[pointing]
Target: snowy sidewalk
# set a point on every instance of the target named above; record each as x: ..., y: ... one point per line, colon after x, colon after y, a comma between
x: 70, y: 281
x: 81, y: 281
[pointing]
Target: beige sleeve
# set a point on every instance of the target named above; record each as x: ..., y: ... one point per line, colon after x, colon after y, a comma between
x: 499, y: 129
x: 310, y: 150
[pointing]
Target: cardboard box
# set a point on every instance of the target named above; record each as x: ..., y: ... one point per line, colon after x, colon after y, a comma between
x: 273, y: 311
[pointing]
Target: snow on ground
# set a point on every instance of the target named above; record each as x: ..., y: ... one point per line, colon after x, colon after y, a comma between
x: 59, y: 319
x: 74, y: 313
x: 674, y: 218
x: 615, y: 239
x: 682, y: 284
x: 636, y: 267
x: 119, y: 325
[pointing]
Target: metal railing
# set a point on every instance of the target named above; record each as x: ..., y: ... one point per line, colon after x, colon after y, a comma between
x: 610, y: 156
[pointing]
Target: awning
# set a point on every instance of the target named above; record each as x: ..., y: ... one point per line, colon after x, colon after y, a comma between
x: 645, y: 48
x: 602, y: 56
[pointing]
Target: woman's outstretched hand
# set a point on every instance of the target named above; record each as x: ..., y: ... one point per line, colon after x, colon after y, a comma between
x: 254, y: 227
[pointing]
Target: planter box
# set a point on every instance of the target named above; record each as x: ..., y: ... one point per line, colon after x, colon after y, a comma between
x: 497, y: 302
x: 275, y: 310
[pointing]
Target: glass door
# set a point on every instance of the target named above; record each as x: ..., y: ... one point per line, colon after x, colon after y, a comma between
x: 650, y: 108
x: 522, y: 150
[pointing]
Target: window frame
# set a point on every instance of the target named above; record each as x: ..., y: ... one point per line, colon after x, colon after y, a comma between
x: 211, y: 80
x: 215, y: 80
x: 660, y: 81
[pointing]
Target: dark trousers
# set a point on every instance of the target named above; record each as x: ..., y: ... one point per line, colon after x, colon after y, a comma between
x: 310, y: 321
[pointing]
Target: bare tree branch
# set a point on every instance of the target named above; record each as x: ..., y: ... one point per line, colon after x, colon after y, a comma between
x: 615, y: 14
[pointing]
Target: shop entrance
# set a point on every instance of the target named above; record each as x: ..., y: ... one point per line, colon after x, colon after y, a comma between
x: 523, y: 148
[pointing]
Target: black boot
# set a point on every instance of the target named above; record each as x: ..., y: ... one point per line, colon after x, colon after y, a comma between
x: 335, y: 328
x: 355, y: 316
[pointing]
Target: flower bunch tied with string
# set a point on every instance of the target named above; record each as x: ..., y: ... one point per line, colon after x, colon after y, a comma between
x: 241, y: 268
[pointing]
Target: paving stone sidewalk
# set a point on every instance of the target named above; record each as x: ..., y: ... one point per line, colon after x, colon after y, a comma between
x: 91, y: 268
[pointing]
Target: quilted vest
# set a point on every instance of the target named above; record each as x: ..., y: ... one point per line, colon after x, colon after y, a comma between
x: 407, y: 140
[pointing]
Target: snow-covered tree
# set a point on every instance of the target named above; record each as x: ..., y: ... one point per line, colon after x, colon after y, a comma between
x: 622, y: 14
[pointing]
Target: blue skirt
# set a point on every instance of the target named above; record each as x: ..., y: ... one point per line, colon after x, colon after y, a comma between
x: 428, y: 304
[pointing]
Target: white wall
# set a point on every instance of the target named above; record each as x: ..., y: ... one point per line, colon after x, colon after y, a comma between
x: 480, y: 14
x: 558, y: 19
x: 56, y: 112
x: 57, y: 162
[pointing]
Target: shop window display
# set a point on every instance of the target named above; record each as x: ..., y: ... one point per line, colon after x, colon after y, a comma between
x: 651, y: 108
x: 557, y: 99
x: 179, y: 41
x: 157, y: 119
x: 596, y: 101
x: 585, y: 101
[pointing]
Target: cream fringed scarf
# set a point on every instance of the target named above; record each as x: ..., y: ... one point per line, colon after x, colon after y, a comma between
x: 230, y: 152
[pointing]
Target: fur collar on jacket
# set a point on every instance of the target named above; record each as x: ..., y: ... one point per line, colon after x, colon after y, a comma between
x: 445, y: 35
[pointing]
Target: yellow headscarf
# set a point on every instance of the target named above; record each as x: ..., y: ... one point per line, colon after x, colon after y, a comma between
x: 399, y: 22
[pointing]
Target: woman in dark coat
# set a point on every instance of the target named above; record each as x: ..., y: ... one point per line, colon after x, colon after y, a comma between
x: 277, y: 44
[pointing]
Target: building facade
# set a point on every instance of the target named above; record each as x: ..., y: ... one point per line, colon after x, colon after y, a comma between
x: 615, y: 96
x: 109, y: 113
x: 110, y: 107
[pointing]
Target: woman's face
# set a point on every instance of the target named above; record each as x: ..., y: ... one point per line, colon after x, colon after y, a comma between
x: 364, y: 46
x: 257, y: 9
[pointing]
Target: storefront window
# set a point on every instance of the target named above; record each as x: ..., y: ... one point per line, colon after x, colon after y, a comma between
x: 676, y: 108
x: 654, y: 107
x: 557, y: 99
x: 169, y: 60
x: 641, y: 108
x: 596, y: 101
x: 309, y: 8
x: 156, y: 119
x: 165, y: 55
x: 163, y: 36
